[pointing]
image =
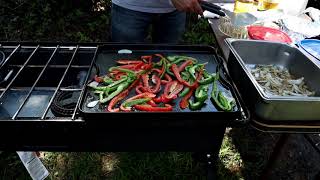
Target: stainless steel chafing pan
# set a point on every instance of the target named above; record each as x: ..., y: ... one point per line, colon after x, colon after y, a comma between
x: 266, y: 106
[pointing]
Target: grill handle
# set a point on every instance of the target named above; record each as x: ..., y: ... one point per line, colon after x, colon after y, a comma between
x: 226, y: 80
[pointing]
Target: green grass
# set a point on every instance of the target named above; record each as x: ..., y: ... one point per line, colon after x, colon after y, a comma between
x: 126, y: 166
x: 230, y: 164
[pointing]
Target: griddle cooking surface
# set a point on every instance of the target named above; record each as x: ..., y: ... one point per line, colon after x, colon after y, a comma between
x: 107, y: 58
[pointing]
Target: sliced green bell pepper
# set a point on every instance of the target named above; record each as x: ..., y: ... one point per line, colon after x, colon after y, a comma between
x: 121, y: 70
x: 201, y: 95
x: 184, y: 92
x: 107, y: 80
x: 120, y: 88
x: 180, y: 58
x: 115, y: 83
x: 195, y: 106
x: 224, y: 103
x: 136, y: 101
x: 208, y: 78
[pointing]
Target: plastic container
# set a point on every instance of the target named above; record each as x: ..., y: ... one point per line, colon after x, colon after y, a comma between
x: 268, y: 34
x: 312, y: 46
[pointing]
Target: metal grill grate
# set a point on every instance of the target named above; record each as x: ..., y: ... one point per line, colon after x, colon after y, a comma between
x: 33, y: 76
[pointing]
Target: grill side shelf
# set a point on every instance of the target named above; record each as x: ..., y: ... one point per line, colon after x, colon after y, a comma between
x: 38, y: 73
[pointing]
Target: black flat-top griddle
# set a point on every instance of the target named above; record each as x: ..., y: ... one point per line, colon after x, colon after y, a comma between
x: 107, y: 56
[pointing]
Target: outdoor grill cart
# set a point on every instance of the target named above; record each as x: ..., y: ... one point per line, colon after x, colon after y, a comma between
x: 44, y: 97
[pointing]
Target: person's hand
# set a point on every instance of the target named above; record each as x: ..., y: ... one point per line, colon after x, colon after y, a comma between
x: 188, y: 5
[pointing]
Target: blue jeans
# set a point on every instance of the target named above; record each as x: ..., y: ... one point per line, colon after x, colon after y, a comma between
x: 128, y: 26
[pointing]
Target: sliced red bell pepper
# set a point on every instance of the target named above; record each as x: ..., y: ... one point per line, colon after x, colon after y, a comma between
x: 166, y: 108
x: 168, y: 79
x: 158, y: 99
x: 177, y: 74
x: 170, y: 93
x: 116, y: 75
x: 152, y: 103
x: 121, y: 96
x: 163, y: 69
x: 147, y: 58
x: 119, y: 75
x: 145, y: 80
x: 163, y: 99
x: 138, y: 66
x: 140, y: 89
x: 98, y: 79
x: 124, y: 61
x: 172, y: 89
x: 155, y: 79
x: 184, y: 65
x: 127, y: 106
x: 139, y: 96
x: 143, y: 95
x: 156, y: 70
x: 160, y: 56
x: 114, y: 72
x: 128, y: 66
x: 116, y: 68
x: 164, y: 65
x: 146, y: 66
x: 159, y: 71
x: 115, y: 100
x: 184, y: 103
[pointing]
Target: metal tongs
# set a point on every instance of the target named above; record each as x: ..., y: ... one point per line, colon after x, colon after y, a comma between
x: 212, y: 8
x: 236, y: 19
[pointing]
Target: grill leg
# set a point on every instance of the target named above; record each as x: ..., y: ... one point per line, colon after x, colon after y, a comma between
x: 274, y: 156
x: 210, y: 163
x: 211, y: 167
x: 210, y: 159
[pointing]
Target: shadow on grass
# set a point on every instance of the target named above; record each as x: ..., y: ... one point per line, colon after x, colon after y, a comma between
x: 224, y: 173
x: 254, y: 148
x: 171, y: 165
x: 76, y: 165
x: 12, y: 167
